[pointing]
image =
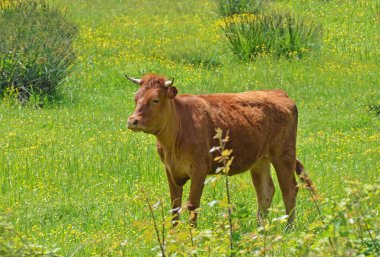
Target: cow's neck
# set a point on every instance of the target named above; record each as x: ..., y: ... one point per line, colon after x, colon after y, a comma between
x: 167, y: 136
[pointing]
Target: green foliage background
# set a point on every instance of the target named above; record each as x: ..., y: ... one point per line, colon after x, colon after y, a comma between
x: 70, y: 173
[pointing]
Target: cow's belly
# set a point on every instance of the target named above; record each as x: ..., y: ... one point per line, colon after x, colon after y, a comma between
x: 245, y: 165
x: 246, y: 154
x: 238, y: 166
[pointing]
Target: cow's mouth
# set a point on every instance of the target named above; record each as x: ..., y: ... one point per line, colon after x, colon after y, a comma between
x: 135, y: 128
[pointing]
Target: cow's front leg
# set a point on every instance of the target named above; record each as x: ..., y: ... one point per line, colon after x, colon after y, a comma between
x: 196, y: 188
x: 175, y: 197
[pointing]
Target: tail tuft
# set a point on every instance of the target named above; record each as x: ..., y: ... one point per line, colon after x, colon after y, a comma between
x: 304, y: 177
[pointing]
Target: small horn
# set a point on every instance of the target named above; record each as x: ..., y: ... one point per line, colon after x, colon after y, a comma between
x: 169, y: 83
x: 136, y: 81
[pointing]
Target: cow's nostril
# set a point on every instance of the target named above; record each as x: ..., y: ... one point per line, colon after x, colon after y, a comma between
x: 135, y: 122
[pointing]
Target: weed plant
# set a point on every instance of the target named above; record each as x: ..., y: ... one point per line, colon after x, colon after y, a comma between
x: 347, y: 227
x: 273, y: 33
x: 13, y: 244
x: 36, y: 51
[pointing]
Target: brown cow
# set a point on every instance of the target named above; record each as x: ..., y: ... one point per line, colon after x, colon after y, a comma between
x: 262, y: 127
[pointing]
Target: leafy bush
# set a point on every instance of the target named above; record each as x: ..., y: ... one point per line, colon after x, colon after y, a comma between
x: 36, y: 50
x: 231, y: 7
x: 345, y: 227
x: 278, y: 33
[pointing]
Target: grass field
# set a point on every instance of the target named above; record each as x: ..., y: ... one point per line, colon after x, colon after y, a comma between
x: 71, y: 174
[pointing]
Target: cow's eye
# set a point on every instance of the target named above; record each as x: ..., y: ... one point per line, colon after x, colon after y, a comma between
x: 155, y: 101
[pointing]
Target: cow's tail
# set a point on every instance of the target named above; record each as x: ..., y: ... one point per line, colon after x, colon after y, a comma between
x: 304, y: 177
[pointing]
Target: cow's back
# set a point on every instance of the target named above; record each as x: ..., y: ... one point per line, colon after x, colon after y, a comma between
x: 257, y: 121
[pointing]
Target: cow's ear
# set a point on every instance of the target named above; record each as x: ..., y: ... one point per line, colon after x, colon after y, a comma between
x: 172, y: 92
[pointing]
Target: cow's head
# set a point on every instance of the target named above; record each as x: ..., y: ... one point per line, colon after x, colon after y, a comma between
x: 153, y: 103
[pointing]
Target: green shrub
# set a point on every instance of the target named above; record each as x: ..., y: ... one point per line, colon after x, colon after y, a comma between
x: 36, y: 50
x: 278, y: 33
x: 346, y: 226
x: 231, y: 7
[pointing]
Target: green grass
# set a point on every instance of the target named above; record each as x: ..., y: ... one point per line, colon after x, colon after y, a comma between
x: 71, y: 173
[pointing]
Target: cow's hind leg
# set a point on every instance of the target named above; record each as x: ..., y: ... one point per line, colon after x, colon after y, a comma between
x: 264, y: 187
x: 285, y: 166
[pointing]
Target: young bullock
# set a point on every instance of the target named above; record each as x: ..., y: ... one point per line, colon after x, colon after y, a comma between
x: 262, y: 129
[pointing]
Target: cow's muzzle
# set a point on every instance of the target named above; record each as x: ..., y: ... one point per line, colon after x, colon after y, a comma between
x: 134, y: 124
